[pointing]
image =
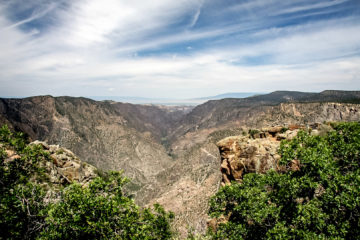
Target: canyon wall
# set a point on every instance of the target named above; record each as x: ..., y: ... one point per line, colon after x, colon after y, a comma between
x: 172, y: 153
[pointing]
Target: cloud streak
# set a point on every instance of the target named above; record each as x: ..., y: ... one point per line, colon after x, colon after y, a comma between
x: 312, y: 6
x: 32, y: 17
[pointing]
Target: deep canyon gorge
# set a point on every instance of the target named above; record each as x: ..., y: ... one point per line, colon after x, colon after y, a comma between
x: 179, y: 156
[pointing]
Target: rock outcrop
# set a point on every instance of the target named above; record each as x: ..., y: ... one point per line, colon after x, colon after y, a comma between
x: 255, y: 152
x: 241, y: 155
x: 65, y: 167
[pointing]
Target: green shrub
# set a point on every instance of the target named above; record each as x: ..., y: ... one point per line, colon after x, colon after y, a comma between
x: 21, y: 201
x: 97, y: 211
x: 101, y: 211
x: 318, y: 201
x: 253, y: 132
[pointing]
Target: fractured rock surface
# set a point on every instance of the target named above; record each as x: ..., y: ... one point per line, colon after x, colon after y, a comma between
x: 65, y: 166
x: 253, y: 153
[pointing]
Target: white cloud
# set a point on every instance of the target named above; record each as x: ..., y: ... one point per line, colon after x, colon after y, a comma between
x: 93, y: 50
x: 190, y: 76
x: 108, y: 21
x: 301, y: 44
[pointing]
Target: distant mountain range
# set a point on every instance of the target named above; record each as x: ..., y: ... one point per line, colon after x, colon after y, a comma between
x: 230, y: 95
x: 172, y: 101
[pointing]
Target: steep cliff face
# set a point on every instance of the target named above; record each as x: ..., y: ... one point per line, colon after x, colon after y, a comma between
x: 214, y: 114
x: 108, y: 135
x: 230, y: 113
x: 305, y: 113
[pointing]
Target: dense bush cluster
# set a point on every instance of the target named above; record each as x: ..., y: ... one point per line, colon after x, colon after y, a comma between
x: 98, y: 211
x: 318, y: 200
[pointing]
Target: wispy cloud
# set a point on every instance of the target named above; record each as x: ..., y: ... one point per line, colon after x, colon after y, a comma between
x: 196, y: 15
x: 34, y: 15
x: 111, y: 21
x: 312, y: 6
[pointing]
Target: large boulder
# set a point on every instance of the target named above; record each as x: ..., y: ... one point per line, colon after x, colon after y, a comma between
x: 242, y: 154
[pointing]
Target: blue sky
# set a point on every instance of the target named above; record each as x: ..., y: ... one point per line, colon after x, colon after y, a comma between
x: 177, y: 49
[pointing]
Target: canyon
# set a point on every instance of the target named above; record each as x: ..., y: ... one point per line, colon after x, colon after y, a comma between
x: 178, y: 156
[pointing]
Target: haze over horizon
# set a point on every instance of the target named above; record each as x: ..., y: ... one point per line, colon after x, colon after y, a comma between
x: 177, y: 49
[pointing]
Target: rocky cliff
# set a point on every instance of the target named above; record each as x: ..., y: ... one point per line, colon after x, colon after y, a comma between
x: 63, y: 168
x: 257, y: 150
x: 106, y: 134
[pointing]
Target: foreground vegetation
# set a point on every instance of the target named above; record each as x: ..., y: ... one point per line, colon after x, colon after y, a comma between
x: 316, y: 196
x: 30, y: 210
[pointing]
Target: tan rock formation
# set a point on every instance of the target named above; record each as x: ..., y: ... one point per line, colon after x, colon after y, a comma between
x: 241, y: 155
x: 255, y: 153
x: 65, y: 166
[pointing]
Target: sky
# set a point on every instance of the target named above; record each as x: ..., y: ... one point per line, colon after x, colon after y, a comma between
x: 177, y: 49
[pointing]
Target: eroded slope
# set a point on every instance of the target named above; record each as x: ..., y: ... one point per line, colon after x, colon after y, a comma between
x: 170, y: 154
